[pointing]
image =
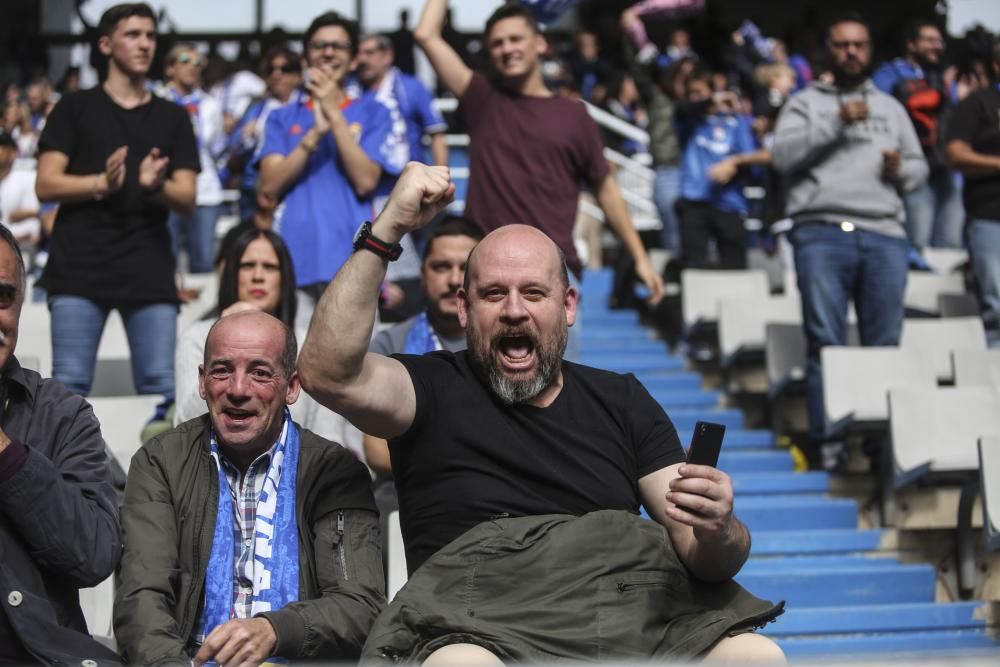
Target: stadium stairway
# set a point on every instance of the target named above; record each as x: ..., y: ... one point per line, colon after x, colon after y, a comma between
x: 848, y: 594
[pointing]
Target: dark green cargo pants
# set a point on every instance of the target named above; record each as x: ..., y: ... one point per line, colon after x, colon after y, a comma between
x: 607, y: 585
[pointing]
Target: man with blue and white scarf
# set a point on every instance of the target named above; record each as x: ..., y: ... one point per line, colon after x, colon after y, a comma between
x: 247, y: 538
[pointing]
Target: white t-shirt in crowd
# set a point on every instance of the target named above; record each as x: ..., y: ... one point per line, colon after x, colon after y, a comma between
x: 17, y: 193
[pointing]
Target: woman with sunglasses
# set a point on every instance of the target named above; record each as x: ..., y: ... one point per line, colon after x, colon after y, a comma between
x: 197, y: 230
x: 282, y: 73
x: 256, y: 274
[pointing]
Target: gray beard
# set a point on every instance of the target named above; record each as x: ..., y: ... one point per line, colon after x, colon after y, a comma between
x: 517, y: 391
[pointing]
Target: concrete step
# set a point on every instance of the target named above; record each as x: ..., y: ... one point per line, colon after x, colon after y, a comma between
x: 684, y: 419
x: 670, y: 380
x: 796, y: 512
x: 734, y: 460
x: 918, y: 646
x: 737, y: 439
x: 868, y: 619
x: 876, y: 584
x: 759, y: 483
x: 764, y: 565
x: 628, y: 362
x: 700, y: 399
x: 819, y: 541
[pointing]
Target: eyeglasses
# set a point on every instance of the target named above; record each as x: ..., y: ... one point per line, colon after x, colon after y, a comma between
x: 283, y: 69
x: 186, y: 58
x: 323, y: 46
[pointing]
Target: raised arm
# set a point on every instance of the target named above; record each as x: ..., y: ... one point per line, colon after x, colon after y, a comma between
x: 373, y: 392
x: 454, y: 74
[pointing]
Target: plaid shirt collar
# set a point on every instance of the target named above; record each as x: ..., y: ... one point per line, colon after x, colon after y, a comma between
x: 245, y: 491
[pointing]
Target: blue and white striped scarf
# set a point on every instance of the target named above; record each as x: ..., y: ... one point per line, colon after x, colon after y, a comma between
x: 276, y: 548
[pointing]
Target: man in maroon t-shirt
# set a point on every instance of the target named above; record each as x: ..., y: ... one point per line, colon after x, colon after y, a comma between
x: 530, y: 150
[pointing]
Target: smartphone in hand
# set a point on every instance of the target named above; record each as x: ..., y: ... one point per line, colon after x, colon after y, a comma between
x: 706, y: 443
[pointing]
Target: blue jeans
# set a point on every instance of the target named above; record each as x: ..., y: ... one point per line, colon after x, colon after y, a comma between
x: 934, y: 212
x: 666, y: 190
x: 835, y: 267
x: 984, y: 247
x: 77, y: 324
x: 198, y: 233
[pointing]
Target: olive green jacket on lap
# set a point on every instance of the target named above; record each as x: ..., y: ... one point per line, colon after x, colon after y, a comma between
x: 168, y: 519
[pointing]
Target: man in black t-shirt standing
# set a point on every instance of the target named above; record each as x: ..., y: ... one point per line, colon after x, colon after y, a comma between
x: 974, y: 149
x: 521, y: 475
x: 117, y: 159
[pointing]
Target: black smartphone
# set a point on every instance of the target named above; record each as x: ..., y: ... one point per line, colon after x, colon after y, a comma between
x: 706, y: 443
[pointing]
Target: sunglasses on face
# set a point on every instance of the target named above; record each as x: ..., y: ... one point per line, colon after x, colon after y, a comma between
x: 186, y: 58
x: 283, y: 69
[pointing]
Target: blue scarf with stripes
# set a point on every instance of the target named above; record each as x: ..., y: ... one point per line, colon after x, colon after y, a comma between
x: 275, y: 564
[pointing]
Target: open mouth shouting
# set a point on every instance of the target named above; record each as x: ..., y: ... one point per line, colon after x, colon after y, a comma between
x: 516, y: 351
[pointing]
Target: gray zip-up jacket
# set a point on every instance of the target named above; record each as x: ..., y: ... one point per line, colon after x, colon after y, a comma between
x: 59, y: 529
x: 834, y: 171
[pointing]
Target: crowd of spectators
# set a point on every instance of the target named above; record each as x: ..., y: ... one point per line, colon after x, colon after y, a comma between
x: 710, y: 112
x: 110, y: 189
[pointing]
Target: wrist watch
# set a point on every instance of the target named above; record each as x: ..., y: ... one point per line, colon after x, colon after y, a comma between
x: 365, y: 239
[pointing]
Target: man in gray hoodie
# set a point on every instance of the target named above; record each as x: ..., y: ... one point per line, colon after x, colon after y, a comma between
x: 847, y: 151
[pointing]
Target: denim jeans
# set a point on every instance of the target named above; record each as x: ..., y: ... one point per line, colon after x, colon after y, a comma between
x: 198, y: 233
x: 77, y: 325
x: 835, y: 267
x: 666, y: 190
x: 984, y: 247
x: 934, y: 212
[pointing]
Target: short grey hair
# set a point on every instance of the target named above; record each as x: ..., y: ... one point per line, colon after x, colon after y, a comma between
x: 289, y: 349
x: 382, y: 41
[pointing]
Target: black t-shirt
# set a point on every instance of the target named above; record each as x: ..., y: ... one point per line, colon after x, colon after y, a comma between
x: 468, y: 458
x: 117, y: 249
x: 976, y: 121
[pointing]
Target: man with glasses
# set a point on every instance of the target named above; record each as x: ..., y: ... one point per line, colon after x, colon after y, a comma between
x: 282, y: 74
x: 323, y: 157
x: 117, y: 159
x: 917, y: 80
x: 847, y: 151
x: 197, y: 230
